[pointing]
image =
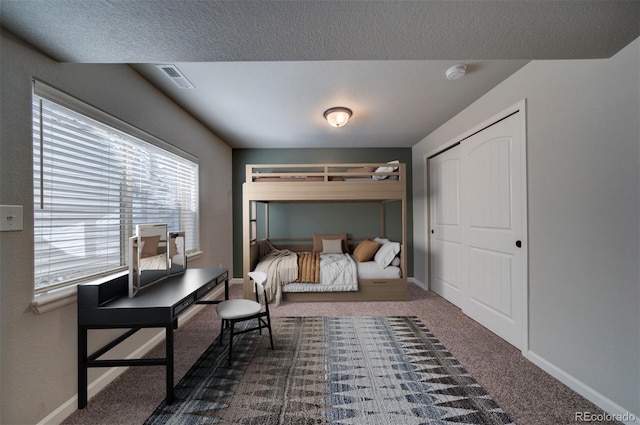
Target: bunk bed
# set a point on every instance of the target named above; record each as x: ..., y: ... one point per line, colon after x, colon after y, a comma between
x: 309, y: 183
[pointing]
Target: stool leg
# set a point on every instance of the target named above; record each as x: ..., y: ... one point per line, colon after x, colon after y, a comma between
x: 230, y: 342
x: 269, y: 327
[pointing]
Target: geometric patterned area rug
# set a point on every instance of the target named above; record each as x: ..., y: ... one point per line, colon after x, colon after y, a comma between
x: 331, y: 370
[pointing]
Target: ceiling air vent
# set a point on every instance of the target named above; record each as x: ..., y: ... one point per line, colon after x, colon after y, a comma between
x: 176, y: 76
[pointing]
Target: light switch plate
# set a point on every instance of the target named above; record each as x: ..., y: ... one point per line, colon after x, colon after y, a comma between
x: 10, y: 217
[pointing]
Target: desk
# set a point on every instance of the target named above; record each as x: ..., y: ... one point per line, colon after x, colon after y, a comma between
x: 107, y: 306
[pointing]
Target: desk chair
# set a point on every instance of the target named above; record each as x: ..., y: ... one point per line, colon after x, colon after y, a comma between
x: 240, y: 310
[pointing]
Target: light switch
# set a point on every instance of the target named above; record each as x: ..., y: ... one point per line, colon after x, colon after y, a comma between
x: 10, y: 217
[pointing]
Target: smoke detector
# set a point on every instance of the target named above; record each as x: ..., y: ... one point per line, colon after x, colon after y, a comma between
x: 456, y: 71
x: 176, y: 76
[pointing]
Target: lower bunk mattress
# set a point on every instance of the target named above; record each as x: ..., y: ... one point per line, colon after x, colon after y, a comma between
x: 328, y: 276
x: 365, y: 270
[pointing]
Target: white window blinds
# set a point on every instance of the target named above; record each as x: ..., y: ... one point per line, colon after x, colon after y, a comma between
x: 92, y: 184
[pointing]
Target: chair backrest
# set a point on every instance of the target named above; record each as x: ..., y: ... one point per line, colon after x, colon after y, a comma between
x: 259, y: 279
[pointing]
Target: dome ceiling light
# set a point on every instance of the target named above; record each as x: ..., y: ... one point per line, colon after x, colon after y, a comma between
x: 338, y: 116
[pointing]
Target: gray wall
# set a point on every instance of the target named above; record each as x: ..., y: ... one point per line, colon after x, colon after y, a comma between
x: 38, y: 352
x: 583, y: 185
x: 300, y: 223
x: 360, y: 220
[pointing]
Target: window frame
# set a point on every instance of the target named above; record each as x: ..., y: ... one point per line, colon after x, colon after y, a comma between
x: 54, y: 292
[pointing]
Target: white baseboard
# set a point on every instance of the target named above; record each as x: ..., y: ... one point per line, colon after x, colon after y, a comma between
x: 68, y: 407
x: 417, y: 282
x: 618, y: 412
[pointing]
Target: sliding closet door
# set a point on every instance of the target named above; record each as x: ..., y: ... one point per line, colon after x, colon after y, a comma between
x: 493, y: 231
x: 444, y: 196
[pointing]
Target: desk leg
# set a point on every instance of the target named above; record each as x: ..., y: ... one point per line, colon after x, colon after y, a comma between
x: 82, y: 367
x: 169, y: 358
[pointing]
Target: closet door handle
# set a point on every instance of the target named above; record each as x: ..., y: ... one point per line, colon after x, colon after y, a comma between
x: 519, y: 244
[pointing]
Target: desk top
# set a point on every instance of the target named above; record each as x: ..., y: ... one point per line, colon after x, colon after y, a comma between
x: 169, y: 291
x: 108, y: 304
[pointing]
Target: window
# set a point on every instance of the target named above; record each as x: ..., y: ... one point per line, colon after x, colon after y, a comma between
x: 94, y: 179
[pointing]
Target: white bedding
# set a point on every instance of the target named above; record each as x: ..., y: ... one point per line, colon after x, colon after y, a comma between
x: 338, y: 273
x: 366, y: 270
x: 371, y: 270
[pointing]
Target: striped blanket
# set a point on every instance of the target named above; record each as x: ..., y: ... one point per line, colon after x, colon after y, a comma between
x: 308, y: 267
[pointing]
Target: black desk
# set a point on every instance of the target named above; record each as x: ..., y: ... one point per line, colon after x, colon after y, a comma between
x: 108, y: 306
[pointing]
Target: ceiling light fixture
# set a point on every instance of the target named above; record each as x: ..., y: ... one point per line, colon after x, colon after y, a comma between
x: 456, y: 71
x: 338, y: 116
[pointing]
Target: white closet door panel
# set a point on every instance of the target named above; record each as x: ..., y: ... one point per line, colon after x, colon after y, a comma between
x: 493, y: 281
x: 446, y: 268
x: 491, y: 223
x: 445, y: 225
x: 490, y: 185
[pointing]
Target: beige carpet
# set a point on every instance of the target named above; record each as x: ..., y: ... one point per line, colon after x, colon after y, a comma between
x: 526, y: 393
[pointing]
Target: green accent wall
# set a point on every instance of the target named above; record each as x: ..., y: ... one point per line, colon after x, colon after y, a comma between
x: 360, y: 220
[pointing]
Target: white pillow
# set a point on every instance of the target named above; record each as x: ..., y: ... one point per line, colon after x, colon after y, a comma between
x: 386, y: 170
x: 396, y: 261
x: 386, y: 253
x: 332, y: 246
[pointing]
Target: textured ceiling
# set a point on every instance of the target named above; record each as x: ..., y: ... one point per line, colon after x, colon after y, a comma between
x: 204, y: 31
x: 265, y: 71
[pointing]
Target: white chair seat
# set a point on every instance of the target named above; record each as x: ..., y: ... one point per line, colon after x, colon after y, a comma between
x: 242, y: 310
x: 237, y: 309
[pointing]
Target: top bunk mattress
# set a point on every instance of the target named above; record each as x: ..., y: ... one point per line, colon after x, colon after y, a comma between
x: 325, y: 182
x: 291, y: 173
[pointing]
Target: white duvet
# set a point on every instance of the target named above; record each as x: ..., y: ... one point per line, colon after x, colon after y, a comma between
x: 338, y: 269
x: 338, y: 273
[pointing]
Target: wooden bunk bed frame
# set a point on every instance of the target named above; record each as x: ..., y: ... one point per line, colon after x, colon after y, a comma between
x: 286, y: 183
